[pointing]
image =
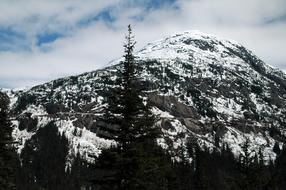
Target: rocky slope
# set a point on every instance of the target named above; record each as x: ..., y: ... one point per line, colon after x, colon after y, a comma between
x: 201, y: 87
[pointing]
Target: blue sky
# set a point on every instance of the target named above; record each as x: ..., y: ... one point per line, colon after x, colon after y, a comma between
x: 41, y: 40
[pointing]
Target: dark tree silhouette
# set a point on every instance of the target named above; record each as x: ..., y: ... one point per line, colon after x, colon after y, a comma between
x: 44, y: 160
x: 136, y: 160
x: 8, y: 156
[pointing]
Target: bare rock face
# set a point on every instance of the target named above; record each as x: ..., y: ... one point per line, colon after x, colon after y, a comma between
x: 203, y: 88
x: 173, y: 106
x: 192, y: 125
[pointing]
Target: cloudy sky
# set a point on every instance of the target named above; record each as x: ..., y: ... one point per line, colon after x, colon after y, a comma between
x: 42, y: 40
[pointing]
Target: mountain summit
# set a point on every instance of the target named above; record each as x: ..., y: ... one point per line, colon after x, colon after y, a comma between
x: 202, y: 88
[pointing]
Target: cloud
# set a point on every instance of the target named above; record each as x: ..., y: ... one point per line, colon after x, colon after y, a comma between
x: 42, y: 40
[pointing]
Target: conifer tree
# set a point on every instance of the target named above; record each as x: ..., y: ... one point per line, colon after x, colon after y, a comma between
x: 276, y: 148
x: 8, y: 157
x: 280, y: 175
x: 137, y: 121
x: 250, y: 168
x: 138, y: 160
x: 201, y: 176
x: 44, y: 160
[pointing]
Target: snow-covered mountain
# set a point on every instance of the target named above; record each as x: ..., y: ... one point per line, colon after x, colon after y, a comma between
x: 202, y: 87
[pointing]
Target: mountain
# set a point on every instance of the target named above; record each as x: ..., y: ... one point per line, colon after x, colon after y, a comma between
x: 202, y: 88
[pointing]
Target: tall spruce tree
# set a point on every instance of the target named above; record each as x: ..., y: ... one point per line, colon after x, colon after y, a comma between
x: 136, y: 162
x: 8, y: 157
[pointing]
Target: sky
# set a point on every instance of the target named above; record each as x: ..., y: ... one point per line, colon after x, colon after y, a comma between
x: 41, y: 40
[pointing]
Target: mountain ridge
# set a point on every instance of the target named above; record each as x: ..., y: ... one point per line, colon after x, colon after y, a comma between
x: 200, y: 87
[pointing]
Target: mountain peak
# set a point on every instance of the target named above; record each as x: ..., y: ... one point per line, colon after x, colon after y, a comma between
x: 184, y: 44
x: 204, y: 84
x: 199, y: 35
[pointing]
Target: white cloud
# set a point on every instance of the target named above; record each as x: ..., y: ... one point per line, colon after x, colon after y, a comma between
x: 61, y: 11
x: 93, y: 46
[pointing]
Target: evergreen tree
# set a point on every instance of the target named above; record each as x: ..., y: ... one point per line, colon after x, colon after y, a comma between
x: 8, y: 156
x: 246, y: 158
x: 44, y: 160
x: 137, y: 121
x: 276, y: 148
x: 81, y: 174
x: 251, y: 168
x: 76, y: 173
x: 201, y: 175
x: 183, y: 169
x: 279, y: 178
x: 129, y: 121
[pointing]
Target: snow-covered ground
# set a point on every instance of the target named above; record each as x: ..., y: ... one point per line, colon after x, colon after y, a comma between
x: 221, y: 71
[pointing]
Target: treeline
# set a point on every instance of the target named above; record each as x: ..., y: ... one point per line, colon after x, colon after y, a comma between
x: 213, y: 170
